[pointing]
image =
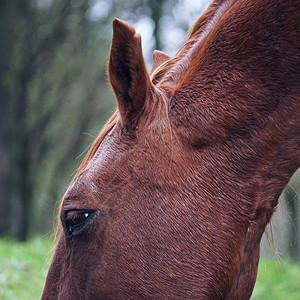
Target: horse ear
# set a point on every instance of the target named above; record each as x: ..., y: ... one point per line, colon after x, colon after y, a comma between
x: 159, y: 57
x: 127, y: 71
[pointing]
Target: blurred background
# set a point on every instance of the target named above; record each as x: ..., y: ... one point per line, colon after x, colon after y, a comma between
x: 55, y: 96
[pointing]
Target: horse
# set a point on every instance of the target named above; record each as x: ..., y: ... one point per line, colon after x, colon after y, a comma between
x: 173, y: 197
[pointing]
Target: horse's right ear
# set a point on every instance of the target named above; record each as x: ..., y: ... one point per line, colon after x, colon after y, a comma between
x: 127, y: 71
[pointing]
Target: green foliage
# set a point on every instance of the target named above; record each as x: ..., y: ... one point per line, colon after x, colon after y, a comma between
x: 24, y: 266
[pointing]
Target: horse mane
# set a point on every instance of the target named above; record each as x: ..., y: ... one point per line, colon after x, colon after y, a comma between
x: 193, y: 35
x: 199, y: 26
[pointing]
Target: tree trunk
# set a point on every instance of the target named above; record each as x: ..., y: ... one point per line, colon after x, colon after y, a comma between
x: 23, y: 217
x: 290, y: 197
x: 6, y: 136
x: 22, y: 155
x: 5, y: 192
x: 156, y: 13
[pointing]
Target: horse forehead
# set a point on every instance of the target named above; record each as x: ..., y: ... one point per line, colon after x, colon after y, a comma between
x: 91, y: 182
x: 83, y: 191
x: 118, y: 158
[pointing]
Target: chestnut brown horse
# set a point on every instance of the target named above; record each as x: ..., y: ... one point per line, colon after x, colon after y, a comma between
x: 175, y: 193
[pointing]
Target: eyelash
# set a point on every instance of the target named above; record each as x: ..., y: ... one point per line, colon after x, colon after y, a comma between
x: 75, y: 220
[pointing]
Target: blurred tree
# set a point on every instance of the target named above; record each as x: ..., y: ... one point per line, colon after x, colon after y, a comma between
x: 53, y: 74
x: 138, y: 9
x: 50, y: 85
x: 156, y: 15
x: 5, y: 157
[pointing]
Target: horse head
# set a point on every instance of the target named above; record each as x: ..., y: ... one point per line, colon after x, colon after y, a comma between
x: 174, y: 195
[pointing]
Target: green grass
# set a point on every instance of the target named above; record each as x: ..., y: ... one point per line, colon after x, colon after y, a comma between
x: 23, y: 270
x: 277, y: 280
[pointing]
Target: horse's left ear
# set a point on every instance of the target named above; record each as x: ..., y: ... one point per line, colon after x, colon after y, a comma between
x: 159, y: 58
x: 127, y: 71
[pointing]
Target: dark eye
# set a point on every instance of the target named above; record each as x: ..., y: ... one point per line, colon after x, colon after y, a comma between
x: 75, y: 219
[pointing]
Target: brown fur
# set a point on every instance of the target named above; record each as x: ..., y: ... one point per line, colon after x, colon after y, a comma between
x: 186, y: 175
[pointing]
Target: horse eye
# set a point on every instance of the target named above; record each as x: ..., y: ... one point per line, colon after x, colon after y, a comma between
x: 75, y: 220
